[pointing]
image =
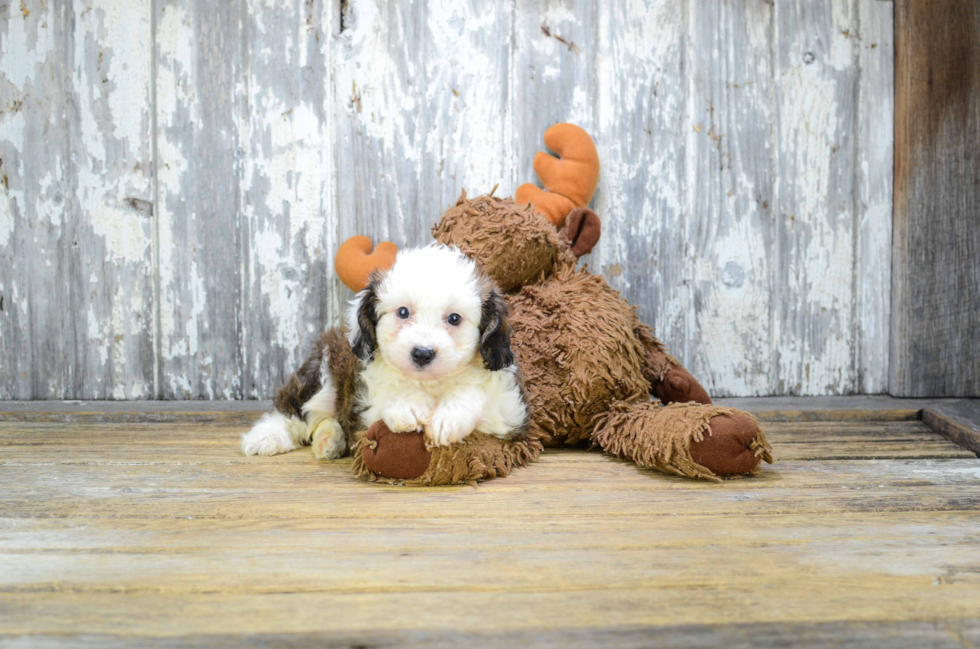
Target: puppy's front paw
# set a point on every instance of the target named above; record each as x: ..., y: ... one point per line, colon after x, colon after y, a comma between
x: 329, y: 441
x: 405, y: 417
x: 449, y: 425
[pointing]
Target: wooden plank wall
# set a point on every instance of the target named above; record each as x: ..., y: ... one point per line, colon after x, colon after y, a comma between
x: 177, y: 175
x: 936, y: 298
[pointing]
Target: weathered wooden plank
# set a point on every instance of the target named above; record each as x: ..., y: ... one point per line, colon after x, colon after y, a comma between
x: 132, y: 537
x: 220, y: 429
x: 465, y: 113
x: 112, y: 306
x: 200, y: 113
x: 338, y: 568
x: 421, y: 99
x: 814, y: 218
x: 185, y: 536
x: 380, y: 94
x: 201, y: 471
x: 946, y: 633
x: 874, y: 169
x: 288, y: 210
x: 641, y: 107
x: 729, y: 232
x: 935, y: 274
x: 798, y: 487
x: 37, y: 202
x: 85, y: 613
x: 554, y: 75
x: 959, y: 422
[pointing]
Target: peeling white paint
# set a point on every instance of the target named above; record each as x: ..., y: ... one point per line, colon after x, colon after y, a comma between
x: 728, y: 214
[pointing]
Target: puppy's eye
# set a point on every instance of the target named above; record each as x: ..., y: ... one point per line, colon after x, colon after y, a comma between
x: 454, y: 319
x: 402, y: 313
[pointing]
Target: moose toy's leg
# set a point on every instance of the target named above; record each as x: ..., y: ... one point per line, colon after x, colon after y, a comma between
x: 403, y: 458
x: 669, y: 381
x: 687, y: 439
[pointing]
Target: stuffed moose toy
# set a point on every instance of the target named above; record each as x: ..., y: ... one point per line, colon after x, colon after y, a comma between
x: 589, y: 366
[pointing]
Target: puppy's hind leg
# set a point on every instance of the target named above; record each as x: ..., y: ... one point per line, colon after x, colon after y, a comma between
x: 304, y: 406
x: 320, y: 411
x: 273, y: 434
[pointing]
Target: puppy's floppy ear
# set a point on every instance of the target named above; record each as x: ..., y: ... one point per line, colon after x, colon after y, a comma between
x: 495, y: 333
x: 364, y: 321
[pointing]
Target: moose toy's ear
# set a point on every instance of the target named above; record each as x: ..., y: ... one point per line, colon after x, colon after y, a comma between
x: 355, y: 261
x: 582, y: 230
x: 495, y: 334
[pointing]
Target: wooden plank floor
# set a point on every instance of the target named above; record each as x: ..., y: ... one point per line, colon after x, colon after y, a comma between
x: 115, y: 531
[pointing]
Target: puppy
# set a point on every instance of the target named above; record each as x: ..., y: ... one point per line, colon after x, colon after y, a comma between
x: 427, y: 347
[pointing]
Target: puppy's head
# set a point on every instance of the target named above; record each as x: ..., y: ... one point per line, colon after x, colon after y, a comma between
x: 430, y: 315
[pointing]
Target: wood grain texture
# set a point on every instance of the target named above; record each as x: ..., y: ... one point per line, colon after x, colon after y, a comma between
x: 288, y: 216
x: 640, y: 134
x: 162, y: 534
x: 954, y: 633
x: 958, y: 422
x: 554, y: 74
x: 874, y: 169
x: 380, y: 136
x: 466, y: 107
x: 729, y: 234
x: 170, y: 232
x: 936, y: 276
x: 813, y: 272
x: 77, y: 210
x: 112, y: 306
x: 201, y: 118
x: 36, y: 338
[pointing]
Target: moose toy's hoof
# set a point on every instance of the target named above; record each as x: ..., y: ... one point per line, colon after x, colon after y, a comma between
x: 396, y: 456
x: 734, y: 446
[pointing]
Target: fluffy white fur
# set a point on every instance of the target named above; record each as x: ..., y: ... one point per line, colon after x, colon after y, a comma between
x: 449, y: 397
x: 454, y: 394
x: 277, y: 433
x: 274, y: 433
x: 448, y: 409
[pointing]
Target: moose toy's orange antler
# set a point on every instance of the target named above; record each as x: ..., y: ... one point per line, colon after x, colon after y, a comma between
x: 355, y: 262
x: 569, y: 180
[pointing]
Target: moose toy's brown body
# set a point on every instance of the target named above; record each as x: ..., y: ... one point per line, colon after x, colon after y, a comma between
x: 589, y: 365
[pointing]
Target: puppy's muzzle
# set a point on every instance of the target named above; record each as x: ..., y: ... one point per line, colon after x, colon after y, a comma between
x: 423, y: 356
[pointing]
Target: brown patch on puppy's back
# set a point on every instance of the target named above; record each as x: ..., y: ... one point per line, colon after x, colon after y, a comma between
x: 303, y: 383
x: 345, y: 371
x: 345, y: 368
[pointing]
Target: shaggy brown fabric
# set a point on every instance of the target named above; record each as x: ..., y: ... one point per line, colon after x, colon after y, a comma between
x: 669, y: 381
x: 588, y: 365
x: 512, y: 244
x: 660, y: 437
x: 553, y: 207
x: 478, y: 457
x: 573, y: 337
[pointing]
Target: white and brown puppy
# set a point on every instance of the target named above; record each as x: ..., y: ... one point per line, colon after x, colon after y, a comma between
x: 432, y: 350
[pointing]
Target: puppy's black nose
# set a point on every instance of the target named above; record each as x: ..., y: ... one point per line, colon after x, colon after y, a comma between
x: 423, y: 356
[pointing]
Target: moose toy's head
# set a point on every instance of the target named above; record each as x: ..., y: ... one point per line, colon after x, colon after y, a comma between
x: 513, y: 241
